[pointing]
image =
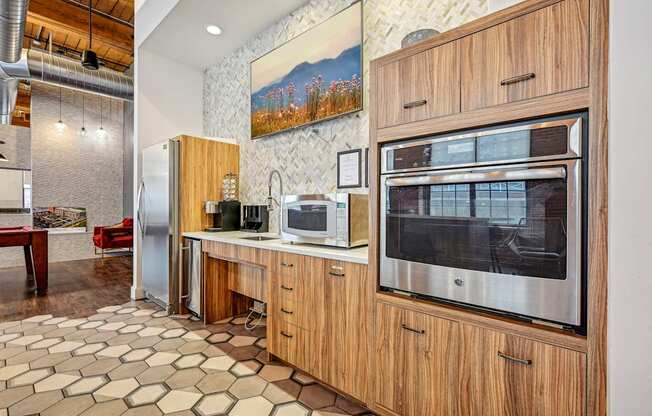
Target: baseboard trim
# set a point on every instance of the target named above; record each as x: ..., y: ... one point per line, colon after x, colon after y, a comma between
x: 137, y: 293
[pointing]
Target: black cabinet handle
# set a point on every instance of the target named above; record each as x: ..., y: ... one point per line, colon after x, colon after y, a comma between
x: 517, y: 79
x: 286, y: 311
x: 336, y: 274
x: 286, y: 288
x: 514, y: 359
x: 413, y: 104
x: 284, y: 264
x: 286, y: 335
x: 416, y: 331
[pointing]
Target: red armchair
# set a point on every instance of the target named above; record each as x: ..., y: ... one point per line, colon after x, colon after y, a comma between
x: 114, y: 237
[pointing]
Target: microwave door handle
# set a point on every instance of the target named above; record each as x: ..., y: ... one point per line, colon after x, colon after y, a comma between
x: 471, y: 177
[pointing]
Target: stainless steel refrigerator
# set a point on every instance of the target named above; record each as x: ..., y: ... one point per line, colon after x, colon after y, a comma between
x: 171, y: 272
x: 158, y: 222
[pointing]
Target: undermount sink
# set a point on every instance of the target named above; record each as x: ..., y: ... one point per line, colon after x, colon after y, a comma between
x: 259, y: 238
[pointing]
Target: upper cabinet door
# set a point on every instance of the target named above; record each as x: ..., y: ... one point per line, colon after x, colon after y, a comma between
x: 419, y: 87
x: 541, y: 53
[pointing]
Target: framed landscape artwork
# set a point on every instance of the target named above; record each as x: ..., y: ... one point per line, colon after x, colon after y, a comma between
x: 313, y: 77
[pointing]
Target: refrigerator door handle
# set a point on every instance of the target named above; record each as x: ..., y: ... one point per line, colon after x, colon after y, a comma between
x: 139, y: 207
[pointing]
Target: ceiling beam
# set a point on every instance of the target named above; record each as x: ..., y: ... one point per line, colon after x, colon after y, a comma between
x: 70, y: 18
x: 101, y: 13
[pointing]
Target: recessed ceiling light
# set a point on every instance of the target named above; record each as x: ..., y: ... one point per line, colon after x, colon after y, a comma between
x: 213, y: 30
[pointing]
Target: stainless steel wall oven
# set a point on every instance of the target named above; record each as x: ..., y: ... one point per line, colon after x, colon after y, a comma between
x: 491, y: 218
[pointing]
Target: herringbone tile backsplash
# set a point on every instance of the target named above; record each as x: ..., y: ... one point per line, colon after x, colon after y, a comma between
x: 306, y: 157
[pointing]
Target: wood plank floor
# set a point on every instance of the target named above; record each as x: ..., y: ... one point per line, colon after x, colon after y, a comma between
x: 76, y: 288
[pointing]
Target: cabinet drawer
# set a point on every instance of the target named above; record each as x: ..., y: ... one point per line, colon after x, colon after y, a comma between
x: 286, y: 310
x: 541, y: 53
x: 287, y: 264
x: 284, y: 338
x: 287, y: 286
x: 220, y: 250
x: 297, y: 346
x: 419, y: 87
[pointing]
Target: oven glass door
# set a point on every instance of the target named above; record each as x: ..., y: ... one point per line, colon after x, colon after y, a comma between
x: 452, y: 234
x: 316, y: 219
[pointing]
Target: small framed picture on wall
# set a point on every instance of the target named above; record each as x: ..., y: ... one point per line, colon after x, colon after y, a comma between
x: 349, y: 168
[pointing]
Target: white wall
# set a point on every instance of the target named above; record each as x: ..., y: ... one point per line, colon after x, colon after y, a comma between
x: 630, y: 219
x: 167, y: 102
x: 169, y: 98
x: 148, y: 16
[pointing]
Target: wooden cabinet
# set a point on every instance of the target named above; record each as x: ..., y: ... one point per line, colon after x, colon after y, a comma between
x: 416, y: 363
x: 296, y: 286
x: 419, y: 87
x: 427, y: 365
x: 320, y: 320
x: 293, y: 344
x: 346, y: 327
x: 540, y: 53
x: 506, y: 375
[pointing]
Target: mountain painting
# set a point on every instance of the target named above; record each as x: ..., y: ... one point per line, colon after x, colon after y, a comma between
x: 314, y: 77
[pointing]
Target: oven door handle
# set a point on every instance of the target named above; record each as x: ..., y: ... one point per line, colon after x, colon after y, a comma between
x: 471, y: 177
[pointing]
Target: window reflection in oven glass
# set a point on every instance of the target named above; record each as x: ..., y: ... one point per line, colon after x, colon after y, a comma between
x: 515, y: 228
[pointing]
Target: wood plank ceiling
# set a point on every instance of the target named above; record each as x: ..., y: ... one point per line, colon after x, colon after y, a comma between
x: 65, y: 24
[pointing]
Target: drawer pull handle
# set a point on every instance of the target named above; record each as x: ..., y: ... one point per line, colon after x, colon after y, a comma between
x: 287, y: 288
x: 514, y: 359
x: 336, y: 274
x: 416, y: 331
x: 413, y: 104
x: 284, y: 264
x: 517, y: 79
x: 286, y: 335
x: 286, y: 311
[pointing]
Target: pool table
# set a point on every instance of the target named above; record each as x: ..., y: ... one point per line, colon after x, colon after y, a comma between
x: 35, y: 246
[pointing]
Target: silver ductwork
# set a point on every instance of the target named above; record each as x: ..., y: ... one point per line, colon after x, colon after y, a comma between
x: 8, y: 93
x: 36, y: 65
x: 61, y: 71
x: 12, y: 28
x: 65, y: 72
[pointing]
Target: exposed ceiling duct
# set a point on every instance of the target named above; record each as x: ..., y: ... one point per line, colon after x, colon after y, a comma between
x: 12, y: 27
x: 36, y: 65
x: 8, y: 93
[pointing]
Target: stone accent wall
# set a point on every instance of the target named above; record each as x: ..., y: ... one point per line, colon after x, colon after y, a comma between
x: 69, y: 170
x: 306, y: 156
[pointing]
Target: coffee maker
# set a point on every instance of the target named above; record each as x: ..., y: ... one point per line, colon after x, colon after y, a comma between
x: 255, y: 218
x: 226, y: 215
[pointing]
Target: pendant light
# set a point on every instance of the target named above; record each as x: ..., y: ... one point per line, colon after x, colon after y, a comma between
x: 101, y: 133
x: 82, y: 131
x: 89, y: 57
x: 60, y: 125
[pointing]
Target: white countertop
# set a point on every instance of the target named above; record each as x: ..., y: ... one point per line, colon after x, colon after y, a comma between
x: 353, y: 255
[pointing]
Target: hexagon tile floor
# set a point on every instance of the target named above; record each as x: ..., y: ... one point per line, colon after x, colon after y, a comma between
x: 133, y: 359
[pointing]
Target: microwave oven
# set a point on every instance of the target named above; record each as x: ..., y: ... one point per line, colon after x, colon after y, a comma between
x: 335, y: 219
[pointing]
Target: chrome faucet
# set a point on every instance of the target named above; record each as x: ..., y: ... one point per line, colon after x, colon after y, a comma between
x: 270, y: 199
